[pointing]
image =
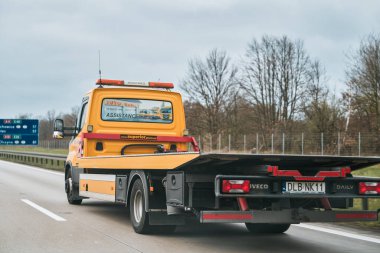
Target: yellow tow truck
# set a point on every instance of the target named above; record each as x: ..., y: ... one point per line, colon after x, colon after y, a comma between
x: 130, y: 145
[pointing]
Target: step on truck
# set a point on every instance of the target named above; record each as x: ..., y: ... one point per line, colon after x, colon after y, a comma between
x: 130, y: 146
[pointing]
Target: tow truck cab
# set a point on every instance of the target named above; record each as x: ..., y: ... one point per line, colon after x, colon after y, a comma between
x: 120, y: 111
x: 130, y: 145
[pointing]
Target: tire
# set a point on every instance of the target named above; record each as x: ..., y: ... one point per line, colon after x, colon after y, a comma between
x: 70, y: 191
x: 139, y: 217
x: 266, y: 228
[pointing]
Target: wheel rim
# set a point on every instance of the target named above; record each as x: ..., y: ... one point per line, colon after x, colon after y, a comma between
x: 69, y: 185
x: 138, y: 205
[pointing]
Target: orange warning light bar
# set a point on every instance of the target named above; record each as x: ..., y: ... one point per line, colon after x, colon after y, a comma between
x: 135, y: 84
x: 161, y: 85
x: 109, y: 82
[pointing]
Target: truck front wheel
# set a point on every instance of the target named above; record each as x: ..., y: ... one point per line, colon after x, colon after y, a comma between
x: 266, y: 228
x: 70, y: 190
x: 139, y: 217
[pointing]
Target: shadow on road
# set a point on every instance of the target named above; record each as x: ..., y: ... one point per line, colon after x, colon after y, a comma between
x: 213, y: 237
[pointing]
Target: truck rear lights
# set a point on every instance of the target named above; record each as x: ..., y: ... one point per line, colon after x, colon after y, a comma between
x: 369, y: 188
x: 235, y: 186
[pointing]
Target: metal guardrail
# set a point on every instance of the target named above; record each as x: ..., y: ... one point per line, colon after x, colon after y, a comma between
x: 34, y: 154
x: 46, y: 160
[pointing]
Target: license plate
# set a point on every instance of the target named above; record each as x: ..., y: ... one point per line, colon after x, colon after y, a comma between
x: 304, y: 187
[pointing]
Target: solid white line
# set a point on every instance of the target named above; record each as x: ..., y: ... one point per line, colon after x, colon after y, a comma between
x: 43, y: 210
x: 34, y: 168
x: 341, y: 233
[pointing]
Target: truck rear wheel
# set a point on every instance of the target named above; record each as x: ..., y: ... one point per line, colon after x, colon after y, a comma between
x: 267, y: 228
x: 70, y: 190
x: 139, y: 217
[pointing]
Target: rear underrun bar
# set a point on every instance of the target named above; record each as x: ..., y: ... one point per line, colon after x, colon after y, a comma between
x: 290, y: 216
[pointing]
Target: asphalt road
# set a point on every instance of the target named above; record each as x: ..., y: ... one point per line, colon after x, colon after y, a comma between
x: 97, y: 226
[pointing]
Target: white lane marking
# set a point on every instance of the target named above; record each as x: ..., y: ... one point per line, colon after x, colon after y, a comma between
x: 341, y: 233
x: 34, y: 168
x: 43, y: 210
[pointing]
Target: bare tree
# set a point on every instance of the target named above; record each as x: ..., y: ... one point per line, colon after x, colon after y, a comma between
x: 24, y: 116
x: 275, y: 74
x: 292, y: 77
x: 321, y: 110
x: 46, y: 125
x: 70, y: 118
x: 259, y: 81
x: 211, y: 83
x: 194, y: 112
x: 363, y: 78
x: 316, y: 89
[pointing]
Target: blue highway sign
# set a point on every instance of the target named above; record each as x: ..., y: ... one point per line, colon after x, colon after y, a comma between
x: 18, y: 132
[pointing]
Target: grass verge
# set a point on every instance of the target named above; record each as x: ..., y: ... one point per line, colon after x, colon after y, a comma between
x: 37, y: 150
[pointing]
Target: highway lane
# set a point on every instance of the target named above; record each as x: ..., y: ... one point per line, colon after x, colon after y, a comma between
x: 97, y: 226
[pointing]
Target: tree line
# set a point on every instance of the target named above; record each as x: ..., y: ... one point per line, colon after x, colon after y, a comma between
x: 277, y: 87
x: 46, y: 122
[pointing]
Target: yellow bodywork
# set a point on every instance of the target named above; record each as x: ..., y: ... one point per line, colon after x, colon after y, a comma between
x: 83, y: 153
x: 97, y: 186
x: 160, y: 161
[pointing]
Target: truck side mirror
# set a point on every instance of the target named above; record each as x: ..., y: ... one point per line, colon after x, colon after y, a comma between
x: 58, y: 129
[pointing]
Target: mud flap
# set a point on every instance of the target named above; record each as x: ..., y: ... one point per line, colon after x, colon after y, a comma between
x: 162, y: 218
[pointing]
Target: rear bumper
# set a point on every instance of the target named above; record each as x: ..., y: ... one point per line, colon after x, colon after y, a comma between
x: 291, y: 216
x: 271, y: 187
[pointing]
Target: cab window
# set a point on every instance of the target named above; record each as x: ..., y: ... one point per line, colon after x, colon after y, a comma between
x: 82, y: 116
x: 137, y: 110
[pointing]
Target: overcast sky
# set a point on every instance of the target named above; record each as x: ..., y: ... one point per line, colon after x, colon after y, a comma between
x: 49, y: 49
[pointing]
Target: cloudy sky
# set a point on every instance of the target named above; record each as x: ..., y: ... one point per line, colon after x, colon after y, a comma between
x: 49, y: 49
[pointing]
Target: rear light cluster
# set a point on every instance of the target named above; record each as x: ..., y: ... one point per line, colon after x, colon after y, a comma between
x: 369, y: 188
x: 235, y: 186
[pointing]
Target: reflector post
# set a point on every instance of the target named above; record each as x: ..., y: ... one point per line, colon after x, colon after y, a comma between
x: 235, y: 186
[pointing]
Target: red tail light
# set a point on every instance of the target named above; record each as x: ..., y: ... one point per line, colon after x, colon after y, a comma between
x: 367, y: 188
x: 235, y: 186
